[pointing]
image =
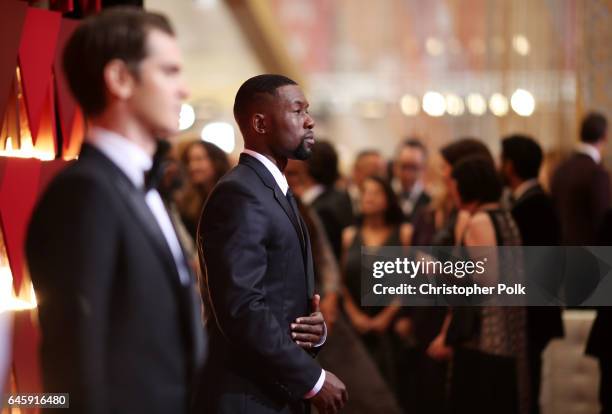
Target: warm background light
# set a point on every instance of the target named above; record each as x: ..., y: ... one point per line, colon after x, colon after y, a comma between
x: 454, y: 105
x: 476, y: 104
x: 521, y: 45
x: 522, y: 102
x: 221, y: 134
x: 498, y: 104
x: 434, y: 104
x: 409, y: 105
x: 187, y: 117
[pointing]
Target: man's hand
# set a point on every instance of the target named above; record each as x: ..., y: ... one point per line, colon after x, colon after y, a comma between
x: 332, y: 397
x: 308, y: 331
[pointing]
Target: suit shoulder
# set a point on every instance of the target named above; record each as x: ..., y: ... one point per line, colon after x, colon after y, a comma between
x: 78, y: 178
x: 240, y: 179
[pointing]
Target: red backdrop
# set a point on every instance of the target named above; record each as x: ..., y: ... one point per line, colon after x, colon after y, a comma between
x: 32, y: 40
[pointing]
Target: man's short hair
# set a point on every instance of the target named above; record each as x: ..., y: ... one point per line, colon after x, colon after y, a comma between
x: 367, y: 153
x: 323, y: 163
x: 593, y: 128
x: 412, y: 143
x: 525, y: 155
x: 116, y: 33
x: 254, y: 87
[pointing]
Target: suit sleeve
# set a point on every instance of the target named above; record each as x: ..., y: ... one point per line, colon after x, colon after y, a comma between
x: 232, y: 237
x: 71, y: 246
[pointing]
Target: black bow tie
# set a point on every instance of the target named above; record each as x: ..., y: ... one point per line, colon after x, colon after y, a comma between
x: 153, y: 177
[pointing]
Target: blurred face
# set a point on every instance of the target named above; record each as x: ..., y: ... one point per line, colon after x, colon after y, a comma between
x: 172, y: 179
x: 199, y: 165
x: 445, y: 171
x: 373, y: 199
x: 453, y: 191
x: 506, y: 171
x: 293, y: 135
x: 159, y: 91
x: 366, y: 166
x: 296, y: 173
x: 409, y: 166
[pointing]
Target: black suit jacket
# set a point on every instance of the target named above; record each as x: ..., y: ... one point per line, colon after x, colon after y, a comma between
x: 259, y: 277
x: 419, y: 207
x: 335, y: 210
x: 581, y: 193
x: 536, y: 219
x: 119, y: 331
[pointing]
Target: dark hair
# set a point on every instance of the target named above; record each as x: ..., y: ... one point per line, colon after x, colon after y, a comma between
x: 477, y: 180
x: 217, y: 156
x: 253, y: 87
x: 366, y: 153
x: 116, y: 33
x: 393, y: 214
x: 323, y: 163
x: 413, y: 143
x: 593, y: 128
x: 465, y: 147
x: 525, y: 155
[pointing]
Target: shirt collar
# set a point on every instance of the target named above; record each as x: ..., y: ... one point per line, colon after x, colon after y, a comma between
x: 413, y: 194
x: 132, y: 160
x: 589, y: 150
x: 524, y: 187
x: 280, y: 179
x: 312, y: 193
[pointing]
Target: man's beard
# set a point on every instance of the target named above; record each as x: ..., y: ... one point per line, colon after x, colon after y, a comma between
x: 302, y: 153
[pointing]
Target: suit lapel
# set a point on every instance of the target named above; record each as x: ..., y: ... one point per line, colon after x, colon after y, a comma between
x: 308, y: 263
x: 139, y: 209
x: 187, y: 295
x: 536, y: 189
x: 269, y: 181
x: 144, y: 215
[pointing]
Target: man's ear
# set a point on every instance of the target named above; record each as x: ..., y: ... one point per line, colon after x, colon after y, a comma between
x: 119, y: 79
x: 260, y: 124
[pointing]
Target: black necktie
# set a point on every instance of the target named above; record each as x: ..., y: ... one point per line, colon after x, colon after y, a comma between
x: 296, y: 214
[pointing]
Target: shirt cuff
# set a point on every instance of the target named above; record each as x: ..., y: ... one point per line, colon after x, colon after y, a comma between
x: 322, y: 341
x: 315, y: 390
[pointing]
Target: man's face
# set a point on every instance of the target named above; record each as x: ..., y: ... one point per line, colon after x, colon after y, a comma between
x: 160, y: 89
x: 409, y: 166
x: 292, y: 136
x: 366, y: 166
x: 505, y: 170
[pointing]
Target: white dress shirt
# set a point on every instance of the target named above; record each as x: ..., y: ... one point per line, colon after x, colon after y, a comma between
x: 524, y: 187
x: 133, y: 161
x: 281, y: 181
x: 589, y: 150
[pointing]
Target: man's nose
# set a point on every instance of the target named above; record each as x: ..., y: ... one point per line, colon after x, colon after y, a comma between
x: 309, y: 122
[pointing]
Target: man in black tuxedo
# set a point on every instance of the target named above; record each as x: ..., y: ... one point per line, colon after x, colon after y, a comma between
x: 408, y: 170
x: 118, y: 306
x: 256, y: 257
x: 581, y: 186
x: 534, y: 213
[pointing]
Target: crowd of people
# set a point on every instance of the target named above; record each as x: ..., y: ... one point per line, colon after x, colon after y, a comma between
x: 387, y: 203
x: 105, y: 238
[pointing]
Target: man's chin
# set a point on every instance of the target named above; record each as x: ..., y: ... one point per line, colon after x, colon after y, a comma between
x: 302, y: 153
